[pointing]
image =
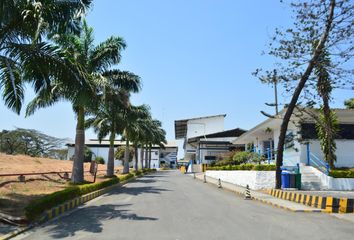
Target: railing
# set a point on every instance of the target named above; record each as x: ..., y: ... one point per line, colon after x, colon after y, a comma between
x: 319, y: 164
x: 21, y: 176
x: 269, y: 153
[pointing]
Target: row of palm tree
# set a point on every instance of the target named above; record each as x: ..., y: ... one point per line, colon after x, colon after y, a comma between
x: 50, y: 45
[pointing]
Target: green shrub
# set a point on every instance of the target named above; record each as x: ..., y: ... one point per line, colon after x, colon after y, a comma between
x: 126, y: 177
x: 147, y: 170
x: 269, y: 167
x: 341, y: 173
x: 99, y: 160
x: 244, y: 167
x: 241, y: 157
x: 87, y: 154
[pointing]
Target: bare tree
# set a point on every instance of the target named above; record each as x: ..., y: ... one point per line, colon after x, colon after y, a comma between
x: 327, y: 24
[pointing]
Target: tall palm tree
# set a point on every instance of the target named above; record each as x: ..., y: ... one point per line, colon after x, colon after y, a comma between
x: 94, y: 63
x: 24, y: 57
x: 156, y: 136
x: 139, y: 137
x: 107, y: 118
x: 131, y: 118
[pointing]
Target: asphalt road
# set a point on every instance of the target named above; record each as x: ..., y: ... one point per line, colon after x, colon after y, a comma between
x: 169, y: 205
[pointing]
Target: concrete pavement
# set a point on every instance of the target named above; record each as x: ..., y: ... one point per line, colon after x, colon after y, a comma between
x: 169, y: 205
x: 262, y: 197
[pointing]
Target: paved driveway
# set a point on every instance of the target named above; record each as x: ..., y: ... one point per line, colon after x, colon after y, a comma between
x: 169, y: 205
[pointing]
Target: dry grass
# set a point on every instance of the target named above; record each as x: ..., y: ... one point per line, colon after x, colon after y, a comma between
x: 15, y: 195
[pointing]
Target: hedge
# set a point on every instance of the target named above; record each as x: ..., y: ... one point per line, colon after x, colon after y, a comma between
x: 243, y: 167
x: 341, y: 173
x: 36, y: 207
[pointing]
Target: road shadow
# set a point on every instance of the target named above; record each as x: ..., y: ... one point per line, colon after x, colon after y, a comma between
x: 135, y: 191
x: 140, y: 180
x: 90, y: 218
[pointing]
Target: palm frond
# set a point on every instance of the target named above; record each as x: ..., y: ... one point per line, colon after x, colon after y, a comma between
x: 11, y: 84
x: 44, y: 98
x: 124, y: 79
x: 106, y: 54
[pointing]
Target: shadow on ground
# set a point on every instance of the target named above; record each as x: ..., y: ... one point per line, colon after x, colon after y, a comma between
x: 90, y: 218
x: 135, y: 191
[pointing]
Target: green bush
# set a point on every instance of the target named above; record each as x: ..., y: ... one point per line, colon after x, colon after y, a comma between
x: 244, y: 167
x: 241, y: 157
x: 99, y: 160
x: 247, y: 157
x: 341, y: 173
x: 87, y: 154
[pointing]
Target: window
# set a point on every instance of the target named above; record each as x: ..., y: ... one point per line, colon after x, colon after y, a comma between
x: 210, y: 158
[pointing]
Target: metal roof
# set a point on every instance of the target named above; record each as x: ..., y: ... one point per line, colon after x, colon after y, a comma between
x: 236, y: 132
x: 181, y: 125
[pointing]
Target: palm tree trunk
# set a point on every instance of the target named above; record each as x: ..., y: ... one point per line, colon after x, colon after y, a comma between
x: 146, y: 156
x: 142, y: 156
x: 78, y: 164
x: 110, y: 163
x: 136, y: 157
x: 149, y: 155
x: 126, y: 157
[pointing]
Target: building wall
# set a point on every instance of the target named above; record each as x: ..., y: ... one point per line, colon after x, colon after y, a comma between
x: 200, y: 127
x: 344, y: 152
x: 254, y: 179
x: 97, y: 152
x: 103, y: 152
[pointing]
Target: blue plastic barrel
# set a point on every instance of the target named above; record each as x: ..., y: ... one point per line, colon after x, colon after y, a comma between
x: 285, y: 179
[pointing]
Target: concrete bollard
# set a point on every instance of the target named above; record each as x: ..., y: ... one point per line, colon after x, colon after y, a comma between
x: 219, y: 183
x: 204, y: 178
x: 194, y: 175
x: 247, y: 193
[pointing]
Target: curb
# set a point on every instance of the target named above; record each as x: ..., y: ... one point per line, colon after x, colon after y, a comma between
x: 326, y: 204
x: 287, y: 208
x: 15, y: 233
x: 65, y: 207
x: 273, y: 204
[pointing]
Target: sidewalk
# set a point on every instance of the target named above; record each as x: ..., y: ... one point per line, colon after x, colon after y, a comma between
x: 265, y: 198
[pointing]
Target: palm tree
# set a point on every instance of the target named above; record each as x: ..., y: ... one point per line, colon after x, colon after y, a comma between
x: 136, y: 138
x: 327, y: 122
x: 157, y: 136
x: 131, y: 118
x: 107, y: 118
x: 93, y: 63
x: 24, y: 57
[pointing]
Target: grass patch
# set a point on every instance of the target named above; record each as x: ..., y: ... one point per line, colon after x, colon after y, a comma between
x: 36, y: 207
x: 244, y: 167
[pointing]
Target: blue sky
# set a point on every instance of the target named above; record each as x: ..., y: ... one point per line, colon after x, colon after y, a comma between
x: 195, y: 58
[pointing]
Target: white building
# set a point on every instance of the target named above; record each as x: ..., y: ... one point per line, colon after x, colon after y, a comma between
x: 302, y: 145
x: 205, y: 138
x: 166, y: 155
